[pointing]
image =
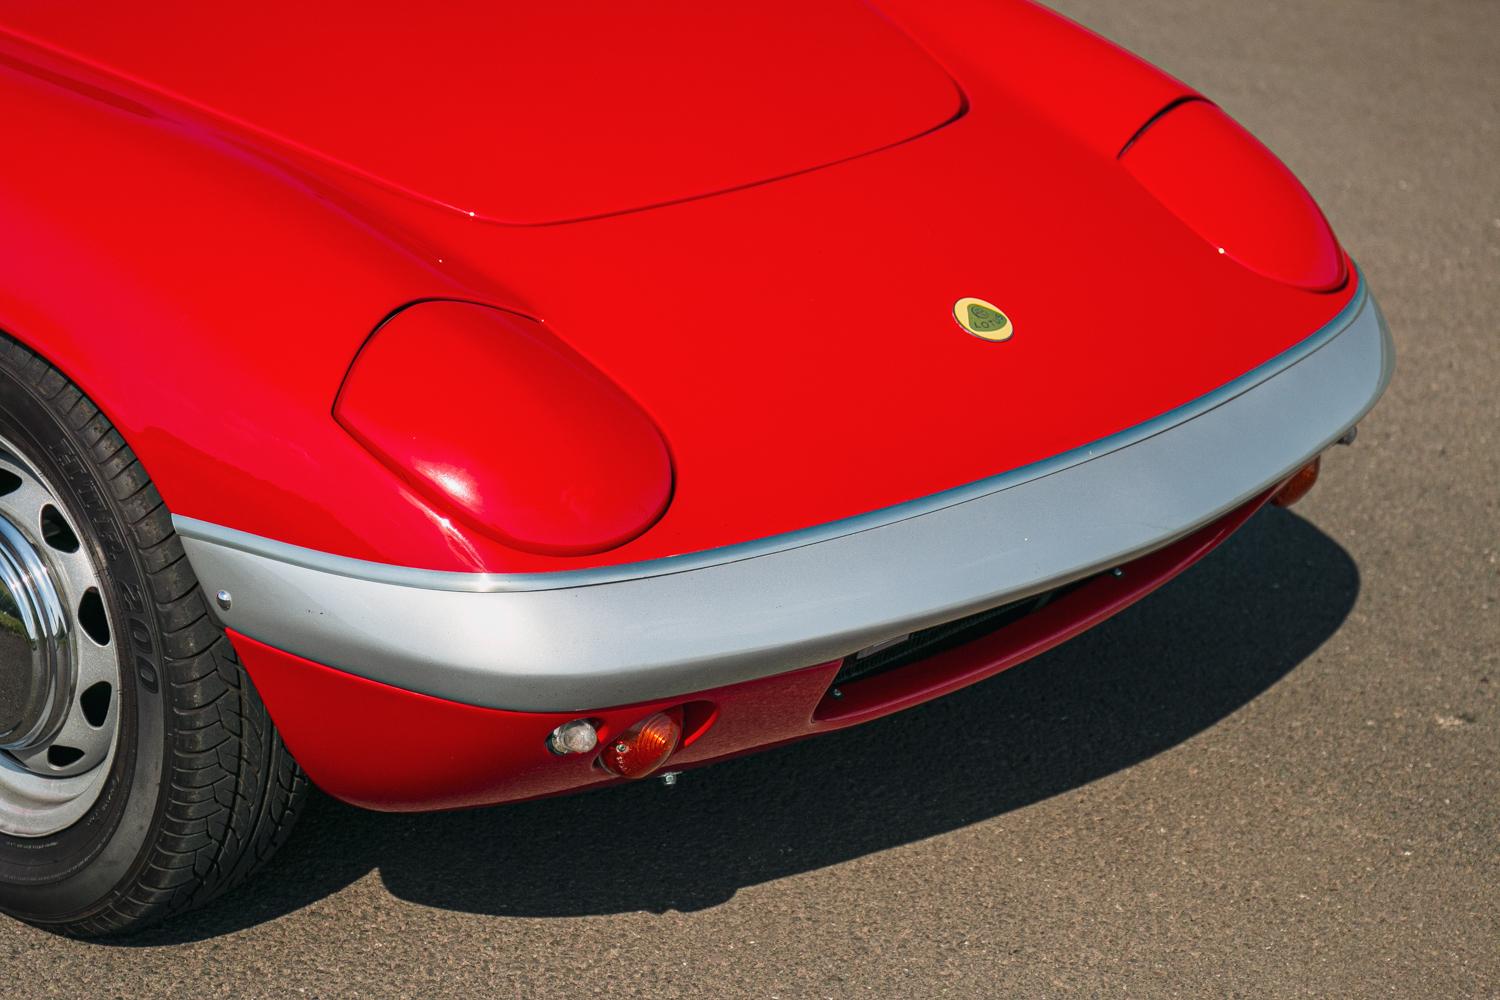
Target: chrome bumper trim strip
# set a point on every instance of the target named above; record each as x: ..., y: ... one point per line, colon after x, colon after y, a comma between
x: 583, y: 639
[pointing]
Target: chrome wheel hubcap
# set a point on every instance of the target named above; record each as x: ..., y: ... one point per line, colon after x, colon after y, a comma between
x: 59, y: 666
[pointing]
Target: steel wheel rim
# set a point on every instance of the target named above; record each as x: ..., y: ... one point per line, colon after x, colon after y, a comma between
x: 59, y: 660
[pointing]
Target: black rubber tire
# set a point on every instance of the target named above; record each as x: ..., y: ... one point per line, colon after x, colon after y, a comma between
x: 202, y: 790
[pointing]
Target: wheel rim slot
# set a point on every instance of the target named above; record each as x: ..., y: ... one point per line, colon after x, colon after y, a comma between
x: 56, y: 531
x: 91, y: 617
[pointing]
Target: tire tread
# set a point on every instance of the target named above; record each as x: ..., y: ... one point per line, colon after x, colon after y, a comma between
x: 232, y: 791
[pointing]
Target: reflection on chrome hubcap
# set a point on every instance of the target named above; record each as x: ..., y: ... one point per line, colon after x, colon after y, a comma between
x: 34, y: 661
x: 59, y: 668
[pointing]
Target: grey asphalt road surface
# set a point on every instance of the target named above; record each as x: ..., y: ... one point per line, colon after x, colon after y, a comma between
x: 1276, y: 778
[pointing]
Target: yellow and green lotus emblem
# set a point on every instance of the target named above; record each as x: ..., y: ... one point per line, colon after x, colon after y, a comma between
x: 982, y: 319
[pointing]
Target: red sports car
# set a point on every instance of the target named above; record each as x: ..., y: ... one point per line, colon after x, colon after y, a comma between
x: 461, y: 404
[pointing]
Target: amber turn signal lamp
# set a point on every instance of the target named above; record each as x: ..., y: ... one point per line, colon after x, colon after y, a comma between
x: 1298, y: 486
x: 643, y: 747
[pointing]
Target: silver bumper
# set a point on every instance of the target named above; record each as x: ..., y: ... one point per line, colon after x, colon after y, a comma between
x: 581, y: 640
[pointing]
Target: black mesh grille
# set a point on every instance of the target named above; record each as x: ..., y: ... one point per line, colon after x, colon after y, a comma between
x: 938, y: 638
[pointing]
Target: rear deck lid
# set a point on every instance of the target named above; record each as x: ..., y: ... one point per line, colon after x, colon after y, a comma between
x: 529, y: 112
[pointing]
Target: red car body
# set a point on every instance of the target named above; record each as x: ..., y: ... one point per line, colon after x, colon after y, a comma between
x: 541, y: 300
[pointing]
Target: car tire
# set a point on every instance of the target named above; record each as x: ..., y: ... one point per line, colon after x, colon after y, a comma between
x: 195, y: 788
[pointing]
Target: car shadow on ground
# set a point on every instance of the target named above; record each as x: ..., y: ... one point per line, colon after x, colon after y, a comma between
x: 1149, y: 679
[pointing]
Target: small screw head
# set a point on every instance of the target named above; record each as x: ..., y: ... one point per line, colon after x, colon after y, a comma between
x: 224, y: 599
x: 837, y: 693
x: 1117, y: 572
x: 669, y: 778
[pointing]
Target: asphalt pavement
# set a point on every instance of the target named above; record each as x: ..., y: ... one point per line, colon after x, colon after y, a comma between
x: 1275, y: 778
